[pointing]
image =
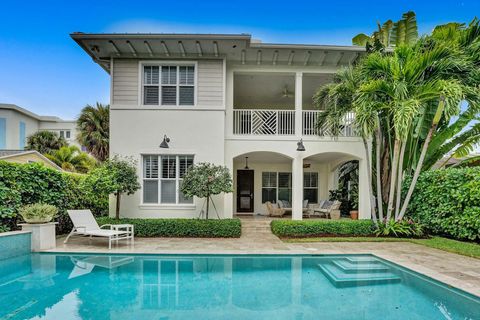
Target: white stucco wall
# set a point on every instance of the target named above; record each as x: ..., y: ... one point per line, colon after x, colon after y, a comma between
x: 13, y: 119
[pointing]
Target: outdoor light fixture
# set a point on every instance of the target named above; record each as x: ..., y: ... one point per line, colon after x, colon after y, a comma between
x: 246, y: 164
x: 165, y: 142
x: 300, y: 146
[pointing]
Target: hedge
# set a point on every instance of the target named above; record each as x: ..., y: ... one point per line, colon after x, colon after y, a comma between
x: 447, y: 202
x: 189, y: 228
x: 22, y: 184
x: 322, y: 228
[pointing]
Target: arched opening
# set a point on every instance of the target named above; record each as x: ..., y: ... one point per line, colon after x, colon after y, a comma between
x: 260, y: 177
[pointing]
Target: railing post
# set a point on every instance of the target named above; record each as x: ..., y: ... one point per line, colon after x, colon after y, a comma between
x: 298, y: 103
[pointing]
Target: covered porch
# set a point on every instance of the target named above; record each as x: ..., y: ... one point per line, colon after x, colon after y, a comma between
x: 298, y: 185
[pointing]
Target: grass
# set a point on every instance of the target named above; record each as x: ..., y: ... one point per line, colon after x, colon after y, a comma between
x: 469, y: 249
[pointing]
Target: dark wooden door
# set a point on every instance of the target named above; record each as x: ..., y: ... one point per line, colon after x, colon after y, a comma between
x: 244, y: 190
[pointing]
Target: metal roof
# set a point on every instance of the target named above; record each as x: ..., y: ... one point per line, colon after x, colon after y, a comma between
x: 235, y: 48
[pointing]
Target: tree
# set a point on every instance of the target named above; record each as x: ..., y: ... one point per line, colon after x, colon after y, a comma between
x: 204, y: 180
x: 115, y: 176
x: 405, y: 102
x: 45, y: 142
x: 72, y: 159
x: 93, y: 127
x: 390, y: 33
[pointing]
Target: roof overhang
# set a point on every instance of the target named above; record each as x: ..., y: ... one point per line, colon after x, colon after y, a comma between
x: 235, y: 48
x: 34, y: 152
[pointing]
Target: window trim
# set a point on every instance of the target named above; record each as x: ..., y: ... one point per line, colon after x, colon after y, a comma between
x: 177, y: 179
x: 160, y: 64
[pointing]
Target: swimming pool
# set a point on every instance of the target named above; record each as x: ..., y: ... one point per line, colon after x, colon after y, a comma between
x: 50, y: 286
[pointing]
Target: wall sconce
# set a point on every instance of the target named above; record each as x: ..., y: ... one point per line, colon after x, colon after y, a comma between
x: 165, y: 142
x: 300, y: 146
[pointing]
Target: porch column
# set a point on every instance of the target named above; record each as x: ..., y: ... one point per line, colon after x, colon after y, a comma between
x: 228, y: 197
x: 298, y: 103
x: 363, y: 191
x: 297, y: 188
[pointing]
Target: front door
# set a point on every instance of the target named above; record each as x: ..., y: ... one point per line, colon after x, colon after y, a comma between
x: 244, y: 190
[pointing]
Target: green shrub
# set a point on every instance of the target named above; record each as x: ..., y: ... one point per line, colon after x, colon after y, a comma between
x: 23, y: 184
x: 190, y: 228
x: 447, y: 202
x: 405, y: 228
x: 38, y: 213
x: 320, y: 228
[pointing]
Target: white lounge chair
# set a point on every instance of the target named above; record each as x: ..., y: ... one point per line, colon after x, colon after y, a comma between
x: 84, y: 224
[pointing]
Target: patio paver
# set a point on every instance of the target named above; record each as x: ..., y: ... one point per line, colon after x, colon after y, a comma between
x: 453, y: 269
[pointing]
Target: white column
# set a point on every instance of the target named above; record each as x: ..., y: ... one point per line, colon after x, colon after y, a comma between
x: 298, y: 103
x: 297, y: 187
x: 363, y: 191
x: 228, y: 197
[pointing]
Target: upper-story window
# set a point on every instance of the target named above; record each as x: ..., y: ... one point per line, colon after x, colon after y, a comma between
x: 65, y: 134
x: 169, y: 85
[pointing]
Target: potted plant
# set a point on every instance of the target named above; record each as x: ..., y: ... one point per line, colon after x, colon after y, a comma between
x: 354, y: 203
x: 38, y: 213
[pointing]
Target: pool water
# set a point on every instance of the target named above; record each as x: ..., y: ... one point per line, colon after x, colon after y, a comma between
x: 49, y: 286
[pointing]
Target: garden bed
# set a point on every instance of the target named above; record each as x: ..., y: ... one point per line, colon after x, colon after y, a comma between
x: 182, y: 228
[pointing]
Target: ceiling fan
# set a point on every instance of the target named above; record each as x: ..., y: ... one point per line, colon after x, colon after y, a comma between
x: 286, y: 93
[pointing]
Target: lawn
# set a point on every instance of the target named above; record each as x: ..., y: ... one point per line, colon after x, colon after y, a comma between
x: 464, y: 248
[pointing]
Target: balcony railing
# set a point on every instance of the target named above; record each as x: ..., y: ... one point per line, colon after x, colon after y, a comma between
x: 264, y: 122
x: 282, y: 122
x: 309, y: 125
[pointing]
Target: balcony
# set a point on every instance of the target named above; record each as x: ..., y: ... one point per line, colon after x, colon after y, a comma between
x: 267, y: 122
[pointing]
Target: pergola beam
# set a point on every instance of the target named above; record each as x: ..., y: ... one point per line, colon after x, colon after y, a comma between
x: 353, y: 58
x: 259, y: 57
x: 340, y: 56
x: 290, y: 57
x: 115, y: 48
x: 275, y: 57
x: 215, y: 48
x: 322, y: 61
x: 149, y: 49
x: 182, y: 48
x: 308, y: 54
x: 243, y: 56
x: 165, y: 48
x: 199, y: 48
x: 132, y: 48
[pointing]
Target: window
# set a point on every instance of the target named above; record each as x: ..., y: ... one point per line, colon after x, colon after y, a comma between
x: 162, y: 178
x: 65, y: 134
x: 21, y: 144
x: 169, y: 85
x: 310, y: 186
x: 276, y: 186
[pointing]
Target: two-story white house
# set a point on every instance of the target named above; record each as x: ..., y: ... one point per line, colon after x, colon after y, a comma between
x: 17, y: 123
x: 229, y: 100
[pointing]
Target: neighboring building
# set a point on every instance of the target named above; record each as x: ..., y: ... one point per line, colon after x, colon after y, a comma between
x: 221, y: 99
x: 27, y: 156
x: 16, y: 124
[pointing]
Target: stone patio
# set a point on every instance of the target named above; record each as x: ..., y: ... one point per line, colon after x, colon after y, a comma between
x: 455, y: 270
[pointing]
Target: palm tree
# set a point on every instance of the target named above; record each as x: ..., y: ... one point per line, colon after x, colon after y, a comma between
x: 45, y: 142
x: 72, y: 159
x: 93, y: 127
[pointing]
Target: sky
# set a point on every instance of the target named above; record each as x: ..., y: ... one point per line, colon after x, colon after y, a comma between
x: 43, y: 70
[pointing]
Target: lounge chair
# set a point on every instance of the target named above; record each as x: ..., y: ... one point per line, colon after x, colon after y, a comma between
x: 84, y: 224
x: 274, y: 212
x: 328, y: 209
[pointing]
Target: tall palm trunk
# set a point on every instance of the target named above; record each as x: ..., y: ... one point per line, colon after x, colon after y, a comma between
x: 370, y: 188
x: 436, y: 120
x: 400, y: 179
x: 378, y: 147
x: 391, y: 194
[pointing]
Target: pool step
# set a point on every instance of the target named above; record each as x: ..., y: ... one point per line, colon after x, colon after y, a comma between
x: 339, y: 278
x: 349, y: 267
x: 362, y: 260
